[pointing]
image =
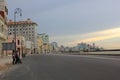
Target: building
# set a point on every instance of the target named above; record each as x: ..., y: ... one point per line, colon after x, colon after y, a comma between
x: 54, y: 47
x: 83, y: 47
x: 87, y: 47
x: 40, y: 44
x: 62, y: 48
x: 29, y: 47
x: 67, y: 49
x: 20, y: 44
x: 3, y: 23
x: 4, y: 10
x: 45, y: 40
x: 26, y: 28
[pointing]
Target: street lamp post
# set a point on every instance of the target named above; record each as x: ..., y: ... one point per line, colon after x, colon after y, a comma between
x: 23, y: 55
x: 17, y: 11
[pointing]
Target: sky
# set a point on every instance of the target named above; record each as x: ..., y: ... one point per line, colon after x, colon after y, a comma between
x: 69, y: 22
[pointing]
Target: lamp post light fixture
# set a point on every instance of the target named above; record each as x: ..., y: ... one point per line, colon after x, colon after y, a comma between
x: 17, y: 11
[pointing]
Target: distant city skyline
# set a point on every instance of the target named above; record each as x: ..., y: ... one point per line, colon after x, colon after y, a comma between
x: 69, y: 22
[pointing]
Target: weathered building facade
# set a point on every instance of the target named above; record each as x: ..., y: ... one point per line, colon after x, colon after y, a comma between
x: 3, y: 23
x: 27, y: 29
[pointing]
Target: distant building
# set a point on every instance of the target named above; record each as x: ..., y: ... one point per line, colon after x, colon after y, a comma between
x: 45, y: 38
x: 26, y: 28
x: 83, y: 47
x: 29, y: 47
x: 62, y: 48
x: 67, y: 49
x: 3, y: 23
x: 87, y: 47
x: 40, y: 44
x: 74, y: 49
x: 54, y: 47
x: 45, y: 41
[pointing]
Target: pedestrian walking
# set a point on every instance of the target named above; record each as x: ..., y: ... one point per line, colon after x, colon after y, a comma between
x: 13, y: 57
x: 17, y: 59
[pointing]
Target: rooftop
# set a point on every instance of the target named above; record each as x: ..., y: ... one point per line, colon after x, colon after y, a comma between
x: 28, y: 21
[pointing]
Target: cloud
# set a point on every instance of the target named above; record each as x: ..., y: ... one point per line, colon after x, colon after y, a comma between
x: 99, y: 36
x: 89, y: 37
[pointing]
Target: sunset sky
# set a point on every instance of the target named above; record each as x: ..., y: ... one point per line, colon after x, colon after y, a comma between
x: 69, y: 22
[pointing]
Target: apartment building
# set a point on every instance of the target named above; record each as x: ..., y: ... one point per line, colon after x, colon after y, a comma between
x: 40, y: 44
x: 26, y: 28
x: 3, y: 23
x: 45, y: 42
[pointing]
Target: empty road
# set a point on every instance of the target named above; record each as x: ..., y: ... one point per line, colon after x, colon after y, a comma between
x: 65, y: 67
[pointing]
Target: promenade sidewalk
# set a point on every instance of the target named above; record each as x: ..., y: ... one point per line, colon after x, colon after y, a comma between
x: 5, y: 63
x: 5, y: 60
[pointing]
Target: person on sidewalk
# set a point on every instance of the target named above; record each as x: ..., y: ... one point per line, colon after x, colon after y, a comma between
x: 13, y: 57
x: 17, y: 59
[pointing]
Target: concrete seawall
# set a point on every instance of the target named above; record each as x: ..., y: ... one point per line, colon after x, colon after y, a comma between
x: 115, y: 53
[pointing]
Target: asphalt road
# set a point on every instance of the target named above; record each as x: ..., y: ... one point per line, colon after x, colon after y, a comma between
x: 65, y: 67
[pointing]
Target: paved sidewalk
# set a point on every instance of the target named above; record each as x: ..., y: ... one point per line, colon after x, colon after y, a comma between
x: 5, y: 60
x: 5, y: 63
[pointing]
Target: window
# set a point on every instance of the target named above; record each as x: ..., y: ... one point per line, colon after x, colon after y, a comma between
x: 18, y: 42
x: 29, y: 38
x: 12, y: 40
